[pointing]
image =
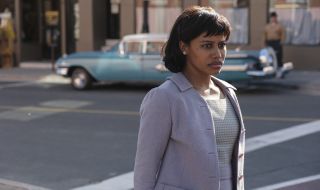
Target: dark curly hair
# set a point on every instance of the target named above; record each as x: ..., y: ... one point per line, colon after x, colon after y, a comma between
x: 193, y: 22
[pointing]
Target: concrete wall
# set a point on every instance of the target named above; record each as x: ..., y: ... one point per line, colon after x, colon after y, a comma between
x: 127, y: 17
x: 188, y: 3
x: 303, y: 57
x: 92, y: 25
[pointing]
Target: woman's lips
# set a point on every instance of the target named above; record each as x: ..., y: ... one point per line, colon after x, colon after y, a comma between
x: 217, y: 64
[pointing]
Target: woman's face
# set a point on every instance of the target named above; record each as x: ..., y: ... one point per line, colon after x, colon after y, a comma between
x: 205, y: 55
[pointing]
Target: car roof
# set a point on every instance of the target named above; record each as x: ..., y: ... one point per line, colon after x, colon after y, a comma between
x: 145, y: 36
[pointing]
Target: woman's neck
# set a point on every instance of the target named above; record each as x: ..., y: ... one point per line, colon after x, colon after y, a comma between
x: 203, y: 84
x: 198, y: 81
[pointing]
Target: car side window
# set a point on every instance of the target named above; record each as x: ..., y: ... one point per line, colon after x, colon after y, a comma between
x: 133, y: 47
x: 154, y: 47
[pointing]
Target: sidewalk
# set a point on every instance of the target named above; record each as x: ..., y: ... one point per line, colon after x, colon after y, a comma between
x: 12, y: 185
x: 32, y: 72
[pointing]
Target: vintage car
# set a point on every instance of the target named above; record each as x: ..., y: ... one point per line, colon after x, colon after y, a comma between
x: 136, y: 58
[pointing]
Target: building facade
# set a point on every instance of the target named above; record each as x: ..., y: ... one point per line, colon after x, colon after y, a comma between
x: 46, y: 28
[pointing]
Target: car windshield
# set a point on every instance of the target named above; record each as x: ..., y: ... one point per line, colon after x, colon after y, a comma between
x: 114, y: 47
x: 154, y: 47
x: 133, y: 47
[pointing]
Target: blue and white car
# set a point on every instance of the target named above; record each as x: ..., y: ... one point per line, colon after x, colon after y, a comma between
x: 136, y: 58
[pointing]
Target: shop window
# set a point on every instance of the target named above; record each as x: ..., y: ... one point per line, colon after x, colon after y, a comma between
x: 237, y: 12
x: 161, y: 15
x: 154, y: 47
x: 301, y: 19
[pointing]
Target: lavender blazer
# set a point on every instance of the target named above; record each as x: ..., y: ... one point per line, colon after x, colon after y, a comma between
x: 176, y: 143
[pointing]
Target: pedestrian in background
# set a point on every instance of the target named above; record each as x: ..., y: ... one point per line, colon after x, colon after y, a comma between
x: 274, y: 36
x: 191, y: 134
x: 7, y: 37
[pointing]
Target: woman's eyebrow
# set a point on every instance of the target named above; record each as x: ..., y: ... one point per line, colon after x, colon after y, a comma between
x: 206, y: 41
x: 211, y: 41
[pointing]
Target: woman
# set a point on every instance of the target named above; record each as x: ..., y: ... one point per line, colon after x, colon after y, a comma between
x: 191, y: 133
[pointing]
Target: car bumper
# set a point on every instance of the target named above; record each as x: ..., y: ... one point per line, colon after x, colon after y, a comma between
x: 265, y: 72
x: 271, y: 71
x: 63, y: 71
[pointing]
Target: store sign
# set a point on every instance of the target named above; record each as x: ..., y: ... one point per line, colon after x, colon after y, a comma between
x: 52, y: 18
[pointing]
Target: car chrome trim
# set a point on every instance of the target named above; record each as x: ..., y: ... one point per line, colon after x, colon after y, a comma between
x: 238, y: 55
x: 62, y: 71
x: 161, y: 67
x: 267, y: 71
x: 234, y: 67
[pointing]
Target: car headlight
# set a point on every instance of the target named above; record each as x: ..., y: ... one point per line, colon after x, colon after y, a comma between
x: 264, y: 57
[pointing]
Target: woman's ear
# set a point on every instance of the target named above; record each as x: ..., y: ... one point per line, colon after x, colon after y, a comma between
x: 183, y: 47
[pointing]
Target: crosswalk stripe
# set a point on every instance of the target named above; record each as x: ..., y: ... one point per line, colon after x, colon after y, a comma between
x: 290, y: 183
x: 282, y: 135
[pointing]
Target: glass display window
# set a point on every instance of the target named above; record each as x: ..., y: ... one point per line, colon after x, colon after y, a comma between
x: 161, y: 15
x: 237, y: 12
x: 300, y: 18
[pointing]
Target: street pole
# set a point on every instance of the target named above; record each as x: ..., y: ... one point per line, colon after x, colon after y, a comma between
x: 145, y: 25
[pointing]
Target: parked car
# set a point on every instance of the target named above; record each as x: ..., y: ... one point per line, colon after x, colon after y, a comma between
x: 136, y: 58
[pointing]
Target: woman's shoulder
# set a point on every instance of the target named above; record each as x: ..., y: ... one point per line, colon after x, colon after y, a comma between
x: 165, y: 91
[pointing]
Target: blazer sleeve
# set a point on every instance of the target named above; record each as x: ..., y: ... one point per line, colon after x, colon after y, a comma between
x: 154, y: 134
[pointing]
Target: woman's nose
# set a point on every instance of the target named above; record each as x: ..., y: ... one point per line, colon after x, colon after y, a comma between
x: 216, y: 52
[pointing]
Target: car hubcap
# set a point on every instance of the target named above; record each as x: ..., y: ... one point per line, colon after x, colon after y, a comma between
x: 80, y: 80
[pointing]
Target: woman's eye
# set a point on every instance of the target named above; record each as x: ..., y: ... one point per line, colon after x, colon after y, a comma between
x: 221, y: 45
x: 207, y: 46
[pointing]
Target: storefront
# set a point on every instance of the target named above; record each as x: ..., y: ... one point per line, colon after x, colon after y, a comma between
x: 301, y: 19
x: 45, y: 25
x: 85, y: 25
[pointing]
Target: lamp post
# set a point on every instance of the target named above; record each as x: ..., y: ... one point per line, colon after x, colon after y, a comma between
x: 145, y: 25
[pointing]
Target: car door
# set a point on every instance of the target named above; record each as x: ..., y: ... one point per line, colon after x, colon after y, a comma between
x: 152, y: 64
x: 125, y: 66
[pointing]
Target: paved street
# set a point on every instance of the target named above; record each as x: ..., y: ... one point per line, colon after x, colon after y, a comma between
x: 53, y: 137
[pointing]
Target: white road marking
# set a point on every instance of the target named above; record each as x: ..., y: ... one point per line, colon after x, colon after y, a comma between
x: 24, y: 114
x: 69, y: 104
x: 121, y: 182
x: 290, y: 183
x: 282, y: 135
x: 125, y: 181
x: 19, y: 84
x: 32, y: 112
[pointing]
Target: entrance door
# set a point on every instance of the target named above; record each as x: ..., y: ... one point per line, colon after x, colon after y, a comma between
x: 113, y: 19
x: 51, y: 29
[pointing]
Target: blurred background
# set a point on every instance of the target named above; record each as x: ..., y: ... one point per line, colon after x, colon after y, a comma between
x: 82, y: 25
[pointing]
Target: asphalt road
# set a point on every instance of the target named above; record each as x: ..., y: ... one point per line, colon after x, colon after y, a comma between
x: 54, y: 137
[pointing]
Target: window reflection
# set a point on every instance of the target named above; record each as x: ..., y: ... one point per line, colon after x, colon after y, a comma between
x: 237, y: 12
x: 154, y: 47
x: 162, y: 14
x: 133, y: 47
x: 301, y: 19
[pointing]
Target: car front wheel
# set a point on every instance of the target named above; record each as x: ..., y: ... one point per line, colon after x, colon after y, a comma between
x: 80, y: 79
